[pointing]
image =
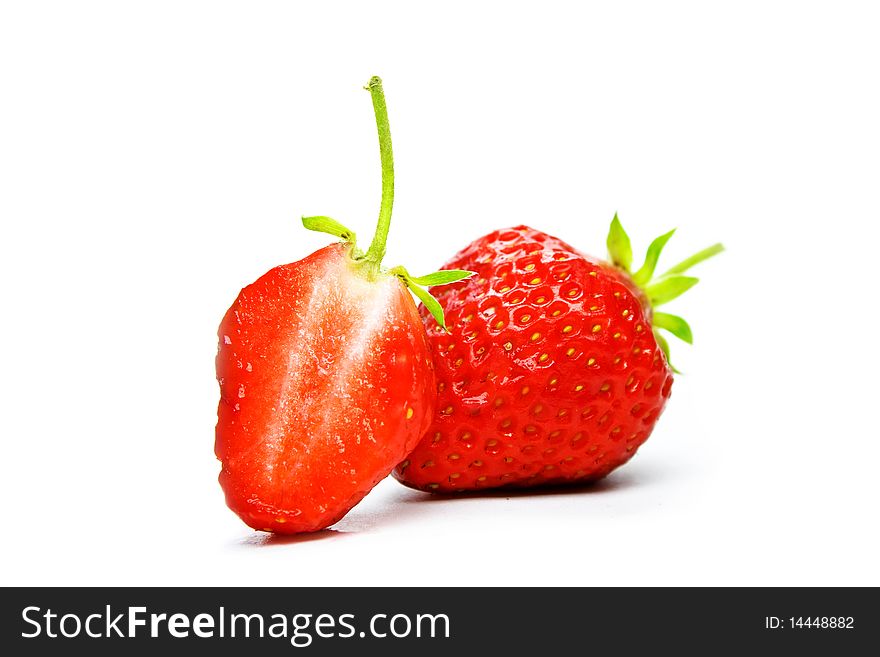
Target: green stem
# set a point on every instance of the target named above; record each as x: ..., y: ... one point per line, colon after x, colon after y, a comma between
x: 376, y: 251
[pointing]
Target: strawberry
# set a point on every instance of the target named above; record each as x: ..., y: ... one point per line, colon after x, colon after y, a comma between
x: 554, y: 370
x: 325, y: 374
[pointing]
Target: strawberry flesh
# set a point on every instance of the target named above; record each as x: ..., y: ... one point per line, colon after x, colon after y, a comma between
x: 326, y: 383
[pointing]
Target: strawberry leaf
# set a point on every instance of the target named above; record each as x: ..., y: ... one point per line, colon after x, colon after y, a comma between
x: 437, y: 278
x: 664, y: 347
x: 675, y: 325
x: 643, y: 275
x: 667, y: 289
x: 697, y: 258
x: 430, y: 302
x: 659, y: 289
x: 442, y: 277
x: 329, y: 226
x: 619, y: 246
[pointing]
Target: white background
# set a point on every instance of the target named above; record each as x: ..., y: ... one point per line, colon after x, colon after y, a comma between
x: 155, y: 157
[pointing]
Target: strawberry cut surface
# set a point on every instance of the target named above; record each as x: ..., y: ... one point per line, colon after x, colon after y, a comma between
x: 326, y: 383
x: 551, y: 373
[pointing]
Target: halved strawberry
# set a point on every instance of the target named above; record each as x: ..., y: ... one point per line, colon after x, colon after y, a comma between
x: 325, y: 375
x: 554, y: 370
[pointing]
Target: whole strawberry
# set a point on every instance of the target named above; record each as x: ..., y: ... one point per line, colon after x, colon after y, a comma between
x: 325, y: 376
x: 554, y: 370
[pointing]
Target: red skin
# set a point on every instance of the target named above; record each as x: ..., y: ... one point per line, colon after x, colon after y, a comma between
x: 543, y: 378
x: 326, y: 383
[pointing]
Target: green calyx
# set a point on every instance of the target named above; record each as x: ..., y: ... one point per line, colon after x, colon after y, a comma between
x: 658, y: 289
x: 370, y: 263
